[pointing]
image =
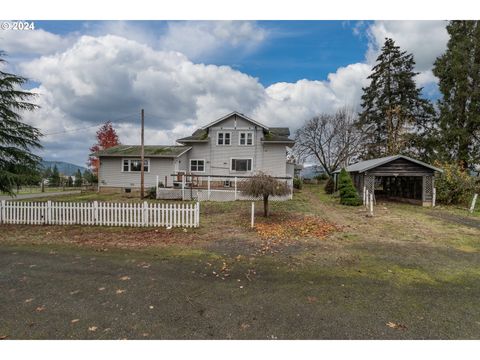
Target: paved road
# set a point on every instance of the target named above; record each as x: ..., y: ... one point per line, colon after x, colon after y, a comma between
x: 39, y: 195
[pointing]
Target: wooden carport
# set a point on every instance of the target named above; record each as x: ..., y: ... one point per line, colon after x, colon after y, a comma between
x: 397, y: 177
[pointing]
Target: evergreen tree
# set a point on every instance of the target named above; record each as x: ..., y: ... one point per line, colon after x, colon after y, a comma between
x: 394, y: 115
x: 70, y: 181
x: 78, y: 178
x: 458, y: 71
x: 17, y: 139
x: 348, y: 193
x: 55, y: 177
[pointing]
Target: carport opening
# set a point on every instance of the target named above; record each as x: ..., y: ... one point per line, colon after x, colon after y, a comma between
x: 399, y: 188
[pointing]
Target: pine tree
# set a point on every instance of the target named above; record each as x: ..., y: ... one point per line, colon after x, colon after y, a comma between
x: 458, y: 71
x: 106, y: 138
x: 17, y: 139
x: 78, y: 178
x: 348, y: 193
x: 393, y: 111
x: 55, y: 177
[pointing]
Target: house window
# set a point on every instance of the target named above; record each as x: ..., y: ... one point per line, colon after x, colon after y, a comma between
x: 241, y: 165
x: 134, y: 165
x: 223, y: 138
x: 246, y: 138
x: 197, y: 165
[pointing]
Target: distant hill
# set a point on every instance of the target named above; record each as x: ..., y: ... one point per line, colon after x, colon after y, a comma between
x: 64, y: 168
x: 309, y: 172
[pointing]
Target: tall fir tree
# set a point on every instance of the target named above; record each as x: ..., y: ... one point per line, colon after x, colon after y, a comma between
x: 394, y: 115
x: 458, y: 71
x: 55, y: 179
x: 78, y: 178
x: 17, y: 139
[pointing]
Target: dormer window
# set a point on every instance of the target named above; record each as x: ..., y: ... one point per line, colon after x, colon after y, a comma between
x: 224, y: 138
x: 245, y: 138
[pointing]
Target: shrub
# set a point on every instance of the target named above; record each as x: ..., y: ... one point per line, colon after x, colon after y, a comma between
x: 455, y: 185
x: 330, y: 186
x: 151, y: 193
x: 348, y: 193
x: 297, y: 183
x: 322, y: 177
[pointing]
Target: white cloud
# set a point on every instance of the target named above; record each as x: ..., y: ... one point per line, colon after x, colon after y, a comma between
x: 425, y: 39
x: 109, y: 77
x: 198, y: 39
x: 32, y: 42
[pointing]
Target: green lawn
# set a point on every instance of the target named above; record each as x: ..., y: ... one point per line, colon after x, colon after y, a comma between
x: 403, y: 274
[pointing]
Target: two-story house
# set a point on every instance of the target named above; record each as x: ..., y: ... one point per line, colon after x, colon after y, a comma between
x: 234, y: 145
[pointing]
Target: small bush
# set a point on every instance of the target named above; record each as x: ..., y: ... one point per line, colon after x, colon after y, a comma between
x: 151, y: 193
x: 297, y: 183
x: 322, y: 177
x: 348, y: 193
x: 330, y: 186
x: 455, y: 185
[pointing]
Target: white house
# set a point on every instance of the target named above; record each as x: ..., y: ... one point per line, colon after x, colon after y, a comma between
x: 234, y: 146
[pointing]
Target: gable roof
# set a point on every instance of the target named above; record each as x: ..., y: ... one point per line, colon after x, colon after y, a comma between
x: 166, y: 151
x: 231, y: 114
x: 366, y: 165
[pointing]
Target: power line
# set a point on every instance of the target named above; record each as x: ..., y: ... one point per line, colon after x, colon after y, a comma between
x: 88, y: 127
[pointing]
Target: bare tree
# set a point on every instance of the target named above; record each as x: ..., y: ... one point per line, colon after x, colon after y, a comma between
x: 331, y: 139
x: 265, y: 186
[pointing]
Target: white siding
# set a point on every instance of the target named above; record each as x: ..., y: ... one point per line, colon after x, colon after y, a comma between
x: 269, y: 158
x: 111, y: 174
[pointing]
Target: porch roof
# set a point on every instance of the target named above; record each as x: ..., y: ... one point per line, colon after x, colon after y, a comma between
x: 167, y: 151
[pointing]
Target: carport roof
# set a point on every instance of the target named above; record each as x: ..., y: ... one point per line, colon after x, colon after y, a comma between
x: 366, y: 165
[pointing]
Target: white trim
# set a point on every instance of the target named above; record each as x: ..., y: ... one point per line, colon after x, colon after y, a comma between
x: 241, y: 158
x: 246, y: 138
x: 224, y: 132
x: 190, y: 148
x: 196, y: 171
x: 129, y: 165
x: 231, y: 114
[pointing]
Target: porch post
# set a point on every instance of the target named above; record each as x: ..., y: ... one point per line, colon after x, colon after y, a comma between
x: 235, y: 188
x: 208, y: 187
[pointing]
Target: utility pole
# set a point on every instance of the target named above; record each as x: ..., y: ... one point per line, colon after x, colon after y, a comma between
x: 142, y: 159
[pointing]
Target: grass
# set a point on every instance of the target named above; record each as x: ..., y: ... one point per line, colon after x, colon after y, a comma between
x: 224, y: 280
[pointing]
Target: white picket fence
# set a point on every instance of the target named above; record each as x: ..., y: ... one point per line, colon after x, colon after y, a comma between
x: 100, y: 213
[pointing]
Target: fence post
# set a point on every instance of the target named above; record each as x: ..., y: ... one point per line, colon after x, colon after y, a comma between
x: 366, y: 199
x: 183, y: 187
x: 252, y: 221
x: 434, y: 196
x: 474, y: 201
x: 48, y: 218
x: 95, y: 212
x: 364, y: 194
x: 290, y: 183
x: 235, y: 188
x: 371, y: 204
x: 3, y: 212
x: 145, y: 214
x: 208, y: 187
x: 197, y: 214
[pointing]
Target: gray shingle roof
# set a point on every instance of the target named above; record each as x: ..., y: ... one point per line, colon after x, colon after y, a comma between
x: 278, y: 134
x: 363, y: 166
x: 150, y: 150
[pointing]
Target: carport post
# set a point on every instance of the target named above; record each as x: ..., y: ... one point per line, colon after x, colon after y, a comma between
x: 434, y: 196
x: 371, y: 204
x: 252, y: 221
x: 235, y: 188
x: 364, y: 194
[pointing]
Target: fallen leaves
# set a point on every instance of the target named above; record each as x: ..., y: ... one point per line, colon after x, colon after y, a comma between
x: 40, y: 308
x: 120, y: 291
x: 29, y: 300
x: 74, y: 292
x: 125, y: 278
x: 74, y: 321
x: 3, y: 337
x: 312, y: 299
x: 101, y: 288
x: 397, y: 326
x: 92, y: 328
x: 307, y: 226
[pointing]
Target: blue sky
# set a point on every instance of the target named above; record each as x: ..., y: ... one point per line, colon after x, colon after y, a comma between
x: 295, y: 50
x: 188, y: 73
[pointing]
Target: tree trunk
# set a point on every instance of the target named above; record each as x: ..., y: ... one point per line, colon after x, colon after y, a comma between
x: 265, y: 205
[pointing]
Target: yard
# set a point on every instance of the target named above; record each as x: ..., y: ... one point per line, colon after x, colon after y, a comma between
x: 314, y: 270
